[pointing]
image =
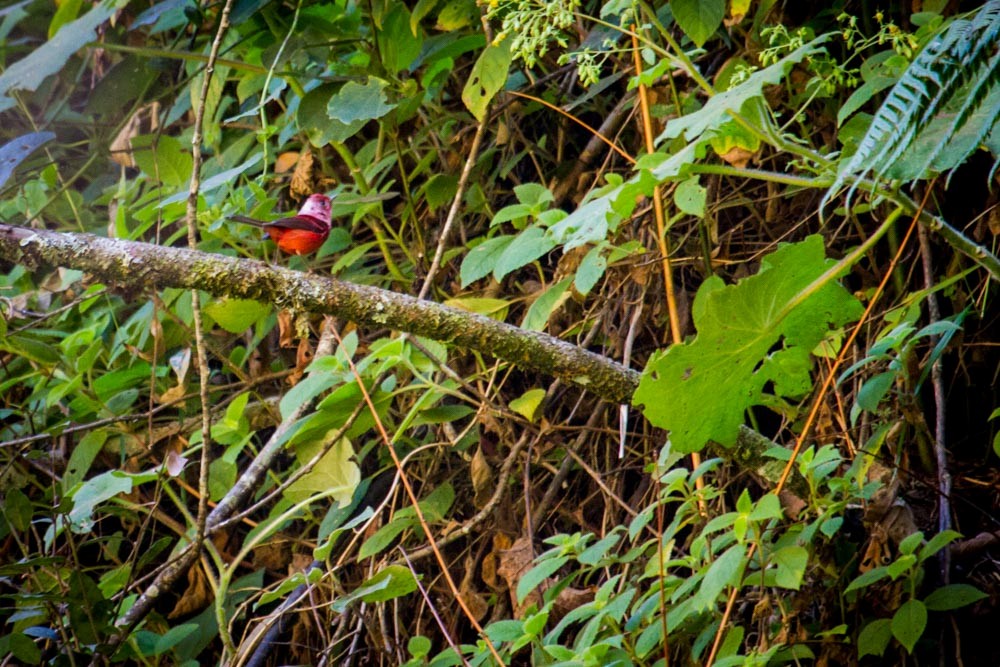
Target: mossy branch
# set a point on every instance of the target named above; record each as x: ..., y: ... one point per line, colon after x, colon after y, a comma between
x: 142, y: 265
x: 149, y: 266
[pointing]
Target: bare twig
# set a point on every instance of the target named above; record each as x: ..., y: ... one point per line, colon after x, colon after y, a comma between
x: 940, y: 452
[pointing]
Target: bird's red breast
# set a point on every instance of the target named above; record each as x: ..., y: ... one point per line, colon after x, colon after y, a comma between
x: 301, y: 233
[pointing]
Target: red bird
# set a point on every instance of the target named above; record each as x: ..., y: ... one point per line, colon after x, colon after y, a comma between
x: 301, y: 233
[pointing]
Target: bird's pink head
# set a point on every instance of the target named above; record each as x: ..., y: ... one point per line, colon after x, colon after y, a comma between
x: 317, y: 206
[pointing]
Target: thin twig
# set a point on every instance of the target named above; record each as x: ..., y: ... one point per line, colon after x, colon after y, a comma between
x: 940, y: 452
x: 191, y: 220
x: 456, y: 203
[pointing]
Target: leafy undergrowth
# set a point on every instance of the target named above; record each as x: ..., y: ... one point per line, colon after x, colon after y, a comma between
x: 832, y: 376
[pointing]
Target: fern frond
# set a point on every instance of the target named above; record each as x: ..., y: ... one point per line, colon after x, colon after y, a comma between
x: 900, y: 117
x: 960, y: 65
x: 980, y: 65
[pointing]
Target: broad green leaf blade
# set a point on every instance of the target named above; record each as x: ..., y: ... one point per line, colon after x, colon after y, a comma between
x: 699, y: 19
x: 541, y: 310
x: 359, y: 102
x: 953, y: 596
x: 482, y: 259
x: 237, y: 315
x: 727, y: 570
x: 335, y: 472
x: 791, y: 564
x: 756, y: 332
x: 487, y: 78
x: 528, y: 246
x: 874, y: 638
x: 29, y: 72
x: 717, y: 110
x: 16, y: 150
x: 527, y: 404
x: 908, y: 623
x: 399, y: 581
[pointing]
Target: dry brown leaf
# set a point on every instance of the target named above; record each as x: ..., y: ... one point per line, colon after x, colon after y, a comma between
x: 474, y: 599
x: 121, y: 145
x: 300, y: 563
x: 302, y: 178
x: 285, y: 161
x: 482, y: 479
x: 514, y: 563
x: 175, y: 393
x: 501, y: 542
x: 196, y: 597
x: 286, y: 329
x: 274, y: 556
x: 737, y: 156
x: 304, y: 354
x: 571, y: 598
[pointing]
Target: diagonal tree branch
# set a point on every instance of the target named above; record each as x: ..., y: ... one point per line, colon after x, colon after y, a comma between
x: 150, y: 266
x: 153, y: 267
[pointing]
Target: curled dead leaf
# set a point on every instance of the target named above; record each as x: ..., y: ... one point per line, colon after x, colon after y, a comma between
x: 482, y: 479
x: 302, y: 184
x: 196, y: 597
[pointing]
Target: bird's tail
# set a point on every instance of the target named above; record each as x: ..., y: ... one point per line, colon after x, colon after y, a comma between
x: 247, y: 221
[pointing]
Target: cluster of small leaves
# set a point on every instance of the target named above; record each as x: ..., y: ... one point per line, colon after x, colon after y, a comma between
x: 533, y: 25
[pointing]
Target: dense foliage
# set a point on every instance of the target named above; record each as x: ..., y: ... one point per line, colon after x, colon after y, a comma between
x: 782, y: 215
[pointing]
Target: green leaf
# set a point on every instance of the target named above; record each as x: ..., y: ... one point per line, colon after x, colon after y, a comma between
x: 115, y: 579
x: 727, y: 570
x: 399, y: 42
x: 29, y: 72
x: 908, y: 623
x: 21, y: 648
x: 221, y: 478
x: 16, y: 150
x: 83, y: 456
x: 717, y: 110
x: 237, y: 315
x: 227, y: 178
x: 174, y: 636
x: 482, y: 259
x: 690, y: 197
x: 29, y: 347
x: 17, y: 509
x: 336, y: 471
x: 488, y: 76
x: 384, y: 536
x: 873, y: 391
x: 490, y: 307
x: 587, y: 224
x: 456, y: 14
x: 699, y: 19
x: 163, y: 157
x: 953, y: 596
x: 867, y: 578
x: 874, y: 638
x: 534, y: 577
x: 791, y: 564
x: 399, y: 581
x: 527, y: 404
x: 592, y: 267
x: 538, y: 314
x: 505, y: 631
x: 440, y: 190
x: 526, y: 247
x: 98, y: 489
x: 418, y: 646
x: 356, y: 102
x: 936, y: 543
x: 758, y: 331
